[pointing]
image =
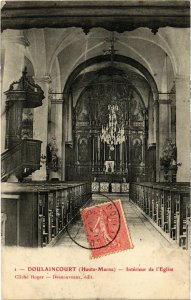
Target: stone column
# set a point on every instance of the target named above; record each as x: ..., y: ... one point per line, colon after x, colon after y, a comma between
x: 13, y: 51
x: 56, y: 132
x: 65, y: 119
x: 40, y: 125
x: 163, y: 120
x: 128, y: 154
x: 93, y: 153
x: 104, y: 151
x: 98, y: 145
x: 163, y: 125
x: 183, y: 127
x: 143, y: 148
x: 151, y: 120
x: 121, y: 156
x: 70, y: 108
x: 157, y: 138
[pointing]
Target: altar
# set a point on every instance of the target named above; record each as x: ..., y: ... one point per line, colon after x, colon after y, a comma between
x: 109, y: 166
x: 110, y: 183
x: 109, y: 138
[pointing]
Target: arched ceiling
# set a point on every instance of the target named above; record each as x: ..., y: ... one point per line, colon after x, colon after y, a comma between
x: 118, y: 65
x: 72, y: 47
x: 133, y: 44
x: 56, y: 32
x: 105, y: 74
x: 141, y: 46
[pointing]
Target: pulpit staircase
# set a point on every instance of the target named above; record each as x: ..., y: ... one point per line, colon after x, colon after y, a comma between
x: 22, y: 154
x: 21, y: 160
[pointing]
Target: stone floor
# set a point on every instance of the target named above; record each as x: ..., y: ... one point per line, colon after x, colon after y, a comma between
x: 141, y: 230
x: 166, y: 266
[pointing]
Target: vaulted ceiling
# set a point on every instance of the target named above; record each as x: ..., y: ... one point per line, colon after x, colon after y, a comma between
x: 68, y: 48
x: 58, y: 48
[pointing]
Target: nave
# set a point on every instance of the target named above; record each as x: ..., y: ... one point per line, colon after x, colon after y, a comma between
x: 96, y: 99
x: 142, y: 232
x: 151, y: 249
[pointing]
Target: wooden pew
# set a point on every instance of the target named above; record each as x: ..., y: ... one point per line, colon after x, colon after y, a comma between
x: 182, y: 203
x: 37, y: 212
x: 188, y: 224
x: 149, y: 188
x: 171, y: 208
x: 165, y: 194
x: 166, y: 204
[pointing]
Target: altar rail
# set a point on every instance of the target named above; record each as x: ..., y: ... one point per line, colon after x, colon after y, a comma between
x: 34, y: 214
x: 167, y: 205
x: 85, y: 172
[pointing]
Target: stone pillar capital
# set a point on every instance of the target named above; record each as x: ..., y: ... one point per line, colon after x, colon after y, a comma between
x: 14, y: 37
x: 56, y: 101
x: 180, y: 78
x: 42, y: 79
x: 156, y: 103
x: 163, y: 97
x: 165, y: 101
x: 65, y: 96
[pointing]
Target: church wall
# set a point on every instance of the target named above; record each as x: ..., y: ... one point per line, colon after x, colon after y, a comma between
x: 13, y: 43
x: 80, y: 48
x: 55, y: 119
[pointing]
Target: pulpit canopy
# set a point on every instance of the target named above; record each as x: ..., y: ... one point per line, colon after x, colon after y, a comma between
x: 25, y: 90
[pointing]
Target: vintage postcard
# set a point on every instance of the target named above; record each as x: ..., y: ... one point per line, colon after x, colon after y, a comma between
x: 95, y: 150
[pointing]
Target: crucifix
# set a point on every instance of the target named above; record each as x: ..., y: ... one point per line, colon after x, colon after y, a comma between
x: 112, y: 49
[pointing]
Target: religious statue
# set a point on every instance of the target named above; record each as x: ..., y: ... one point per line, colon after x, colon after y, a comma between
x: 137, y: 151
x: 52, y: 157
x: 168, y: 160
x: 83, y: 151
x: 109, y: 166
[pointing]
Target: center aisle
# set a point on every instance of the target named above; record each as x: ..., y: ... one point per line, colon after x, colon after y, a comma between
x: 141, y: 230
x: 165, y: 264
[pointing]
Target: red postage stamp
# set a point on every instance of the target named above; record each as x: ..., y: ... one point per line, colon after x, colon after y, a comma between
x: 106, y: 228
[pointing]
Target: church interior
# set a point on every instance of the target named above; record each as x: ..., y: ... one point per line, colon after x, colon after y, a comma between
x: 95, y: 100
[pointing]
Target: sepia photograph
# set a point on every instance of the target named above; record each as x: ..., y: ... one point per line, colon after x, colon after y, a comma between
x: 95, y: 150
